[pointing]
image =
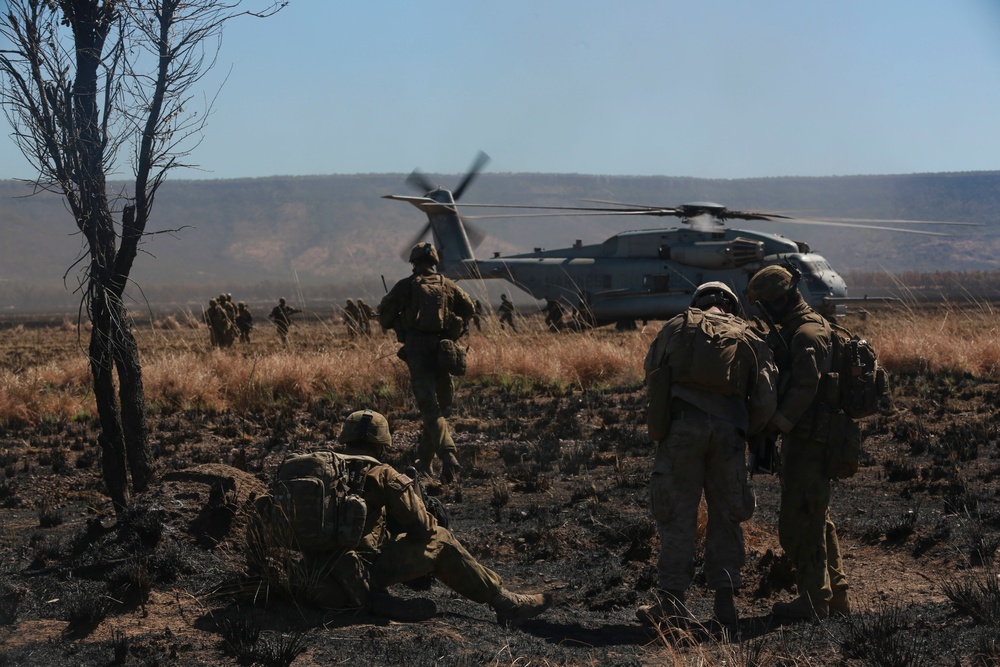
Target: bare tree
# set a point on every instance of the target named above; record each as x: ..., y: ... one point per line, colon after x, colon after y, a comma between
x: 87, y: 83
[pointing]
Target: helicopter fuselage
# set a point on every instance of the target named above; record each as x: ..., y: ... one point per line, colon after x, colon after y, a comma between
x: 651, y: 274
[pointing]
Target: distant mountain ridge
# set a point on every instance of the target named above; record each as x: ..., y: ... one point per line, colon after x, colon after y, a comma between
x: 338, y: 231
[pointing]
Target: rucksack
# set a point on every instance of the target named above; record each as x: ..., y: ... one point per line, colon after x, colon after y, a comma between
x: 428, y: 309
x: 318, y: 504
x: 714, y: 353
x: 856, y: 382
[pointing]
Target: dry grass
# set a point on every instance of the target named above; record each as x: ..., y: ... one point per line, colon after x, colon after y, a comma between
x: 44, y: 374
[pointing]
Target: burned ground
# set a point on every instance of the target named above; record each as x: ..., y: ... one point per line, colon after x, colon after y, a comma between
x: 553, y: 497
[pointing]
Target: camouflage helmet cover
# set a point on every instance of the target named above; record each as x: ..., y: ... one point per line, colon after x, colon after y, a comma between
x: 716, y: 287
x: 366, y: 427
x: 770, y: 283
x: 424, y: 251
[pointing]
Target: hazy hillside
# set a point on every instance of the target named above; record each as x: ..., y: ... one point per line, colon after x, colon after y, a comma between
x: 335, y: 235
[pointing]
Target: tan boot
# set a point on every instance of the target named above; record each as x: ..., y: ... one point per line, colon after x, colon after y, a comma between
x: 668, y: 608
x: 839, y: 604
x: 802, y: 608
x: 450, y: 468
x: 513, y: 608
x: 724, y: 609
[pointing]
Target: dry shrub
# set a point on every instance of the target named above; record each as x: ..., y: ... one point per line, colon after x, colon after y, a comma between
x: 54, y: 391
x: 950, y: 340
x: 582, y: 360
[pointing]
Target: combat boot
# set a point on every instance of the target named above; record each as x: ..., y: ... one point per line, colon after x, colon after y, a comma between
x: 450, y: 468
x: 669, y: 608
x: 724, y: 609
x: 802, y: 608
x: 839, y: 604
x: 513, y: 608
x: 406, y: 610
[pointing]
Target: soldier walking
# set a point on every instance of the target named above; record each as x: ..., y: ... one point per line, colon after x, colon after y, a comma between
x: 352, y: 318
x: 281, y: 315
x: 244, y: 321
x: 711, y: 382
x: 506, y: 313
x: 425, y: 309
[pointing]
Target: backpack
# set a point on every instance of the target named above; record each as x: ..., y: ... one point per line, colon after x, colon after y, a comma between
x: 318, y: 505
x: 856, y: 382
x: 428, y: 309
x: 714, y: 353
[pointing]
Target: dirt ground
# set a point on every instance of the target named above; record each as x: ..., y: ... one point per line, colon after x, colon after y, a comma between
x: 554, y: 497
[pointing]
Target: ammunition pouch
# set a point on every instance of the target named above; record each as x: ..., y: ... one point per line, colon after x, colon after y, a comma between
x: 451, y: 357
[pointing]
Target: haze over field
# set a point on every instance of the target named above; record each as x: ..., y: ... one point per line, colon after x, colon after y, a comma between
x: 338, y: 232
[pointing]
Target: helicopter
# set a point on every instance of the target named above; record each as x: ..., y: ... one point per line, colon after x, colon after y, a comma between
x: 645, y: 274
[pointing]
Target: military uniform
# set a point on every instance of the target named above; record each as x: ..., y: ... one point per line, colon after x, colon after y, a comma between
x: 352, y: 318
x: 704, y: 451
x: 431, y: 383
x: 506, y: 312
x: 553, y: 315
x: 802, y: 347
x: 805, y: 530
x: 419, y: 547
x: 244, y: 321
x: 281, y: 316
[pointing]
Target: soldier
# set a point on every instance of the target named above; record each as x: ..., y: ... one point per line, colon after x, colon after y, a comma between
x: 244, y: 321
x: 553, y: 315
x: 708, y: 396
x: 506, y: 313
x: 477, y: 314
x: 424, y: 309
x: 210, y: 316
x: 801, y: 342
x: 281, y: 316
x: 420, y: 547
x: 366, y: 315
x: 352, y: 318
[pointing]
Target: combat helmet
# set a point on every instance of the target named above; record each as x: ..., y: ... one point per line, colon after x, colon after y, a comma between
x: 770, y: 283
x: 423, y: 252
x: 715, y: 293
x: 366, y: 427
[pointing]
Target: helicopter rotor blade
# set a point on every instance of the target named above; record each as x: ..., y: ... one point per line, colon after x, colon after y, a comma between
x: 419, y: 181
x: 477, y: 166
x: 829, y: 223
x: 475, y: 233
x: 405, y: 252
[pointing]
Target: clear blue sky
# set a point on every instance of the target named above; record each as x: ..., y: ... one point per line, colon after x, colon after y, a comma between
x: 704, y: 88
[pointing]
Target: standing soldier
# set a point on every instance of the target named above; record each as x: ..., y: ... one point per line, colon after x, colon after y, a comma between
x: 425, y: 309
x: 506, y: 313
x: 711, y: 382
x: 553, y: 315
x: 477, y: 315
x: 210, y: 315
x: 802, y: 342
x: 244, y: 321
x: 352, y: 318
x: 366, y: 315
x: 281, y: 315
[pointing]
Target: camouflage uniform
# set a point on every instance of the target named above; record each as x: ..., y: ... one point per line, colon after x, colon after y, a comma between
x: 704, y: 451
x: 244, y: 321
x: 419, y: 546
x: 802, y: 346
x: 431, y: 383
x: 365, y: 316
x: 553, y: 315
x: 506, y: 312
x: 352, y: 318
x: 281, y: 316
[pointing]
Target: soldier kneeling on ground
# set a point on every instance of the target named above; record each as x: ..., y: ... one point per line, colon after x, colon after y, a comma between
x: 352, y: 556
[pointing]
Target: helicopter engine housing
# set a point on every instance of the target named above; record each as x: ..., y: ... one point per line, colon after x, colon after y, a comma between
x: 716, y: 254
